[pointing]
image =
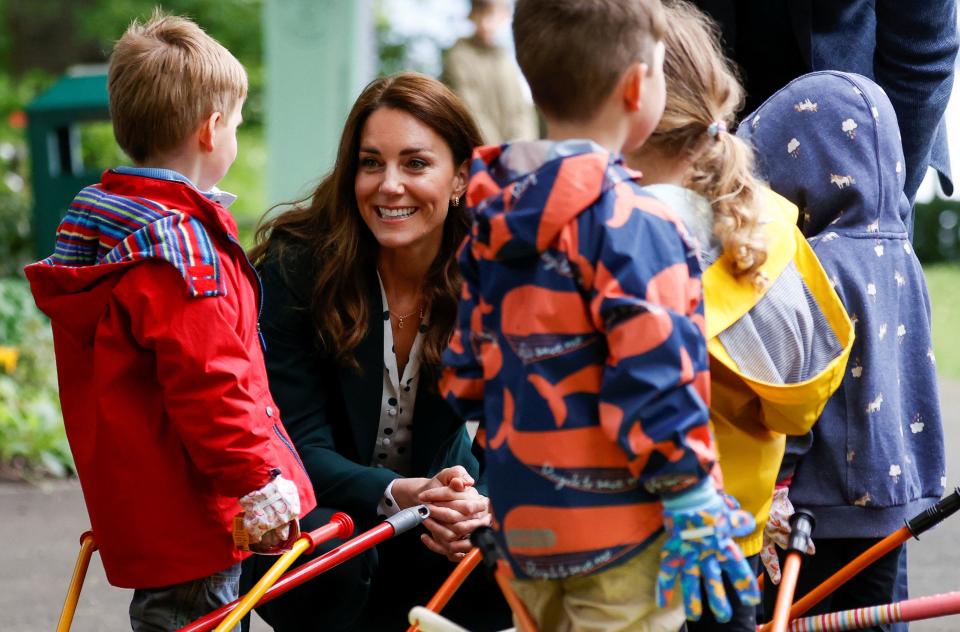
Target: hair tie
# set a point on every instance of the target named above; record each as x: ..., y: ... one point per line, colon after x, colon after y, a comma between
x: 714, y: 129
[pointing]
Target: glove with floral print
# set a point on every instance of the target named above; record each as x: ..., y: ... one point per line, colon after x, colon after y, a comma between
x: 777, y: 533
x: 701, y: 524
x: 267, y: 512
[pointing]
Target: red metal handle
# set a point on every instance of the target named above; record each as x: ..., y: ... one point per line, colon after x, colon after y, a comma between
x: 340, y: 526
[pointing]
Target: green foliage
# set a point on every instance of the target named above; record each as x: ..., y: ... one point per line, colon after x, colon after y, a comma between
x: 15, y: 242
x: 246, y: 179
x: 942, y: 281
x: 936, y: 230
x: 16, y: 246
x: 98, y: 147
x: 32, y: 440
x: 237, y: 24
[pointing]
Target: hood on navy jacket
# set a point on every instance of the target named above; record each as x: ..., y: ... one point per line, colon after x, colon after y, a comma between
x: 525, y: 193
x: 829, y: 142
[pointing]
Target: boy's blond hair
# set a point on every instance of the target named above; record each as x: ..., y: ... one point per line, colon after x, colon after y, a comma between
x: 166, y: 77
x: 573, y: 52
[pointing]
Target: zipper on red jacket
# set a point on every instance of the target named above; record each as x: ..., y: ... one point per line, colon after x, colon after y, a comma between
x: 259, y: 290
x: 290, y: 447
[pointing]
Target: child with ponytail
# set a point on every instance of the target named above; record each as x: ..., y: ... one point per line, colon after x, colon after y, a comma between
x: 778, y: 336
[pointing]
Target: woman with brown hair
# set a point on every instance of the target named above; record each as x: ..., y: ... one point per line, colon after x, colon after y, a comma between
x: 360, y: 290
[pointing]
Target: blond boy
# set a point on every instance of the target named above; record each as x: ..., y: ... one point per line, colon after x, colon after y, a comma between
x: 154, y: 313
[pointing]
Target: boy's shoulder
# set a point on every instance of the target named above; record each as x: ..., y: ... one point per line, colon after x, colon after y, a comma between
x: 104, y: 225
x: 627, y: 202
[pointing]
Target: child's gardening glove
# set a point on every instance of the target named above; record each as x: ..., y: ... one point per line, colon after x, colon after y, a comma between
x: 777, y: 532
x: 701, y: 524
x: 268, y: 512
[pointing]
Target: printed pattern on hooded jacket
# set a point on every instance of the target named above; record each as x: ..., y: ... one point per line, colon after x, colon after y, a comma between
x: 580, y: 350
x: 828, y: 141
x: 162, y: 381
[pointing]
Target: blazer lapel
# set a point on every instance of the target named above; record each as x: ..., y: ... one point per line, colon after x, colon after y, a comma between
x: 363, y: 388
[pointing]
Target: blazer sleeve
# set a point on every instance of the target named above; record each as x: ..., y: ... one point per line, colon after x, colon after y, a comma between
x: 304, y: 383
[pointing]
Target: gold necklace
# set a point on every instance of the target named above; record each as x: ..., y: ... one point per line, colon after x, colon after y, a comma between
x: 401, y: 318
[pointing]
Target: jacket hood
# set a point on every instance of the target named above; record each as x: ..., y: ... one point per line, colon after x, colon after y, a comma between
x: 829, y: 142
x: 109, y: 227
x: 74, y: 299
x: 523, y: 194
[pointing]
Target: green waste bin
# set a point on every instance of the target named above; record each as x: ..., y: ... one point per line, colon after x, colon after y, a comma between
x: 57, y: 171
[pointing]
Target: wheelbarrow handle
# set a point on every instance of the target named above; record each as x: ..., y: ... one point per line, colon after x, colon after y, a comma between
x: 87, y: 546
x: 367, y: 540
x: 801, y: 528
x: 925, y: 520
x: 929, y: 518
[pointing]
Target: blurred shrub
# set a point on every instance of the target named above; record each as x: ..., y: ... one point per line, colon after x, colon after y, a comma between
x: 936, y: 230
x: 32, y: 439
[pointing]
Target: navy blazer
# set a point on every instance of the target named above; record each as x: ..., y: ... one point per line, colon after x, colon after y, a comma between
x: 908, y: 48
x: 332, y: 412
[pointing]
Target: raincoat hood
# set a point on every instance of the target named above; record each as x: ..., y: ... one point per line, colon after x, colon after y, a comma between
x: 829, y: 143
x: 524, y: 193
x: 110, y: 226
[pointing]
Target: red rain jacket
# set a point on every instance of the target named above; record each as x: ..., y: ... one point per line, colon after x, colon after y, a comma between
x: 154, y: 308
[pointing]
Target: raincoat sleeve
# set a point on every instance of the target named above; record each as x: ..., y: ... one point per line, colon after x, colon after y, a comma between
x: 646, y: 298
x: 204, y: 369
x: 462, y: 383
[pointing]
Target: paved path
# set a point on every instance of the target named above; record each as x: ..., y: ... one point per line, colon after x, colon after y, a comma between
x: 40, y: 528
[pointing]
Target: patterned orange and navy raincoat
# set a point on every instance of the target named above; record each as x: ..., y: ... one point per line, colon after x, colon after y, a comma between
x: 580, y: 351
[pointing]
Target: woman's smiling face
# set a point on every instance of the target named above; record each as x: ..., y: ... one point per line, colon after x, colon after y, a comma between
x: 405, y: 180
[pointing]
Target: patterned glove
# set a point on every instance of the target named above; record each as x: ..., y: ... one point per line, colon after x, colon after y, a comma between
x: 270, y: 508
x: 700, y: 525
x: 777, y: 532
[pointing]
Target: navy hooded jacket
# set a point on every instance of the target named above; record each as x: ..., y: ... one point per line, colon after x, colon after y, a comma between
x: 829, y: 142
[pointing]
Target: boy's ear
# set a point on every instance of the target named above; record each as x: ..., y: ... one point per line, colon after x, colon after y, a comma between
x: 633, y: 86
x: 207, y: 132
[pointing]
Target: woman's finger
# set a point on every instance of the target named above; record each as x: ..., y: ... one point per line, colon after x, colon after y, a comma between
x: 446, y: 515
x: 433, y: 546
x: 447, y: 493
x: 466, y: 527
x: 453, y: 556
x: 457, y: 471
x: 466, y: 508
x: 440, y: 531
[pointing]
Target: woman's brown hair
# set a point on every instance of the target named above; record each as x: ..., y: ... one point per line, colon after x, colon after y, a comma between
x: 703, y: 90
x: 343, y: 251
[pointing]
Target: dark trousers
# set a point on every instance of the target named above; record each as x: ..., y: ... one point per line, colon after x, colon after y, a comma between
x: 744, y: 617
x: 874, y: 585
x: 375, y: 591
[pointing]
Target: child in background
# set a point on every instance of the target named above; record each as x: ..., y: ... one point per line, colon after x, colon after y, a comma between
x: 579, y: 345
x: 154, y: 308
x: 829, y: 142
x: 777, y: 334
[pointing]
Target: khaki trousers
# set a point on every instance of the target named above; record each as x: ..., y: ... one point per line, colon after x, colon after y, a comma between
x: 621, y: 599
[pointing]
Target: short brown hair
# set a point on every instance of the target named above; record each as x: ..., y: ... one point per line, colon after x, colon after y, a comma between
x: 573, y: 52
x: 166, y: 76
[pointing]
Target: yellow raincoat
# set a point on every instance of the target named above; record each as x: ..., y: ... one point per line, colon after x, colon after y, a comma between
x: 751, y: 417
